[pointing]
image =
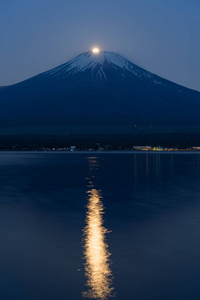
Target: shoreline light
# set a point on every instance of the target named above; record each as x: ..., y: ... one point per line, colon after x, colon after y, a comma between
x: 95, y: 50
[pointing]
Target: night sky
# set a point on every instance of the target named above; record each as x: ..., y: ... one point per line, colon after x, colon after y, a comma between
x: 161, y: 36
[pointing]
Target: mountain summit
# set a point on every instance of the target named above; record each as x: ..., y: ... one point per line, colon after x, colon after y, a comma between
x: 98, y: 66
x: 96, y: 90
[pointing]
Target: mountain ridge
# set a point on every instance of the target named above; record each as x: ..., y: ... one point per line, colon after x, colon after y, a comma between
x: 96, y: 59
x: 102, y: 89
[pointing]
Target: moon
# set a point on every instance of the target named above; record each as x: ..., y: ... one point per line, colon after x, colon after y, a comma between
x: 95, y: 50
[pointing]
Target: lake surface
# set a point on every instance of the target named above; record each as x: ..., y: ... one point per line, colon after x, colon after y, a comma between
x: 96, y: 225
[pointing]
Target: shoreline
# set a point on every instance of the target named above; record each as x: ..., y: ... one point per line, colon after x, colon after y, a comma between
x: 105, y: 152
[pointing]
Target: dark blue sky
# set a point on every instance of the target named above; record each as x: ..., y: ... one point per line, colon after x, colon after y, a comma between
x: 160, y: 35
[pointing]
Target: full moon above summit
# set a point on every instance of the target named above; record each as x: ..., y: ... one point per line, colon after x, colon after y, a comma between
x: 95, y: 50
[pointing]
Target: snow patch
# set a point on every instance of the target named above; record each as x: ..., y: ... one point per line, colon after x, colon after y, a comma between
x: 96, y: 64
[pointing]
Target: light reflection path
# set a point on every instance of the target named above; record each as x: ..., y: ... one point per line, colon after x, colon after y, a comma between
x: 96, y: 254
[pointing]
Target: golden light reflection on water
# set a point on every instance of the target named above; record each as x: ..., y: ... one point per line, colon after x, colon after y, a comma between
x: 96, y: 254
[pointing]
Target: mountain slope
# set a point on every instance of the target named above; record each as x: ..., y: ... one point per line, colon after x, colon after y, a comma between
x: 102, y: 89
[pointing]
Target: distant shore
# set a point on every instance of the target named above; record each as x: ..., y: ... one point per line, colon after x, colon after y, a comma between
x: 104, y: 152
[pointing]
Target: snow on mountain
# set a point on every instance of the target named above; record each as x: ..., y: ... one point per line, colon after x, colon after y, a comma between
x: 98, y: 65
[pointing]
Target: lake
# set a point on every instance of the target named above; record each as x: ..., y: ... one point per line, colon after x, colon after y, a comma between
x: 99, y: 225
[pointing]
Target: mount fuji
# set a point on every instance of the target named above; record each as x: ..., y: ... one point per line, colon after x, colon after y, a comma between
x: 100, y: 91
